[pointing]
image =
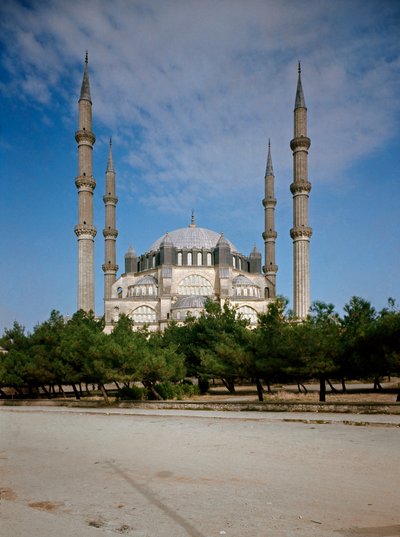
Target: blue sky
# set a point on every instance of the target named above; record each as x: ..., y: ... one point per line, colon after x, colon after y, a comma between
x: 191, y: 91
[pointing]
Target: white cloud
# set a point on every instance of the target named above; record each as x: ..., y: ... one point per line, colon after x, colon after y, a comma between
x: 194, y: 89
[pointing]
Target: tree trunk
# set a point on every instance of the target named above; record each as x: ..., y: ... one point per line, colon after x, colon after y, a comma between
x: 61, y: 389
x: 117, y: 385
x: 46, y: 392
x: 151, y: 388
x: 259, y: 390
x: 267, y: 382
x: 76, y: 392
x: 344, y: 389
x: 104, y: 393
x: 322, y: 389
x: 301, y: 385
x: 377, y: 384
x: 229, y: 384
x: 331, y: 386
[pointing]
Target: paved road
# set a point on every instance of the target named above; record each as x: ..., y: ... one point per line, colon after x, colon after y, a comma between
x: 149, y: 473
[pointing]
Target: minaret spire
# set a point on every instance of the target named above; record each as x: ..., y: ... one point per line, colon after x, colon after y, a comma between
x: 110, y: 232
x: 299, y: 101
x: 85, y: 88
x: 85, y: 183
x: 300, y: 188
x: 270, y: 235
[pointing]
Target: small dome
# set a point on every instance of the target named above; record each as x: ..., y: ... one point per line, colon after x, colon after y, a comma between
x: 190, y: 302
x: 192, y: 237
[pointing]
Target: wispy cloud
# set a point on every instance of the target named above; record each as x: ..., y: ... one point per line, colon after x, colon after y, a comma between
x: 194, y: 89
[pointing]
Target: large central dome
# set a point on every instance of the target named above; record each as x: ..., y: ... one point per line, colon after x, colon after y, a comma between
x: 191, y: 237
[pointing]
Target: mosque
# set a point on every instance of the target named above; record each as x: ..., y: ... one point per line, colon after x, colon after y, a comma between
x: 187, y: 266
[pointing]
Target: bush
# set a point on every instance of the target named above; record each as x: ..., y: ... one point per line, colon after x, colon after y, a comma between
x: 167, y: 390
x: 134, y: 393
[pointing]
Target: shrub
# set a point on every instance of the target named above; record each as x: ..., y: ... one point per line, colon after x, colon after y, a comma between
x: 167, y: 390
x: 134, y: 393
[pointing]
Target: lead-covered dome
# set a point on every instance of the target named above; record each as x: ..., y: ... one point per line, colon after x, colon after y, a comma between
x: 192, y: 237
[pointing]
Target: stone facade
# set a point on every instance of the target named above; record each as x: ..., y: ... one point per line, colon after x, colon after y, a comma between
x: 180, y: 272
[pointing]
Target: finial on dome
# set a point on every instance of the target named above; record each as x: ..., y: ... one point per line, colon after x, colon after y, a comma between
x: 86, y: 57
x: 192, y: 222
x: 299, y: 67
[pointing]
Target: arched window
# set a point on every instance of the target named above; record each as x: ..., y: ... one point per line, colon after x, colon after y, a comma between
x: 234, y: 261
x: 143, y: 315
x: 195, y: 285
x: 199, y: 259
x: 248, y: 313
x: 190, y: 258
x: 179, y: 258
x: 209, y: 259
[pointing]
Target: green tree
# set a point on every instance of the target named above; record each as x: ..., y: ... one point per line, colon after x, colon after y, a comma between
x: 268, y: 344
x: 315, y: 344
x: 359, y: 316
x: 220, y: 340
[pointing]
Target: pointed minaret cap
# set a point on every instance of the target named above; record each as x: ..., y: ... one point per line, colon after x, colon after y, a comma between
x: 223, y: 242
x: 130, y: 252
x: 192, y: 222
x: 299, y: 102
x: 269, y: 170
x: 255, y: 252
x: 85, y: 88
x: 110, y: 163
x: 167, y: 241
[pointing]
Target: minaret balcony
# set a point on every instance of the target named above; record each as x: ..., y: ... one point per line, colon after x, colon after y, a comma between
x: 110, y: 200
x: 269, y: 202
x: 110, y: 233
x: 270, y: 269
x: 85, y: 229
x: 301, y: 232
x: 84, y: 182
x: 110, y: 268
x: 85, y: 137
x: 300, y: 143
x: 269, y: 234
x: 300, y: 187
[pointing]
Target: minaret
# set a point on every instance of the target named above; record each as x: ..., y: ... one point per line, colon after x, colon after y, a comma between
x: 85, y: 183
x: 110, y: 232
x: 269, y: 235
x: 300, y: 188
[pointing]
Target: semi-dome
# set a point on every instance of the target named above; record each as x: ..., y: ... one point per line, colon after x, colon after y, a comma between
x: 192, y: 237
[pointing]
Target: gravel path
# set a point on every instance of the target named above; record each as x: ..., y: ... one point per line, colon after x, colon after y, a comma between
x: 153, y: 473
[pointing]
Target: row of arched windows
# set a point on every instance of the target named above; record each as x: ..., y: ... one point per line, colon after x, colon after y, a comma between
x: 147, y: 315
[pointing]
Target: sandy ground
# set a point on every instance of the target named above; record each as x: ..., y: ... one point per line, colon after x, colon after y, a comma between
x: 176, y: 474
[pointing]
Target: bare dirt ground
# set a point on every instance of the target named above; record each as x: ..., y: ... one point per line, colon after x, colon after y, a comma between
x: 156, y: 473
